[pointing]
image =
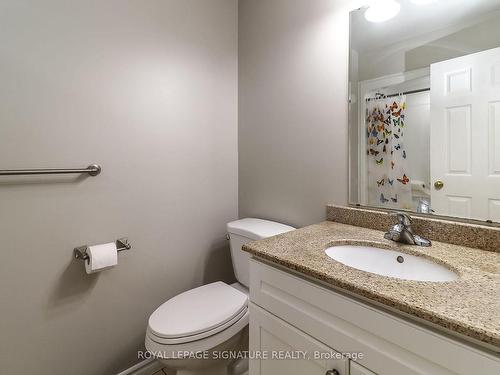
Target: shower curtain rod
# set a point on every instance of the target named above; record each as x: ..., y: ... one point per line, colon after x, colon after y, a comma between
x: 401, y: 93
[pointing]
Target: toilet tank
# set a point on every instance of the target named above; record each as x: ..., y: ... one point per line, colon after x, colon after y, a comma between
x: 246, y: 230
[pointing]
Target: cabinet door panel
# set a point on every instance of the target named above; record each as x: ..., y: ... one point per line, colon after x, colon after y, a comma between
x: 278, y: 341
x: 357, y: 369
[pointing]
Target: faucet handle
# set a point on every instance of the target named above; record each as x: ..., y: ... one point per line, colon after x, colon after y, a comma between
x: 402, y: 218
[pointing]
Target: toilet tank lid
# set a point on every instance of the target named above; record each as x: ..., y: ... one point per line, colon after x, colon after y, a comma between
x: 257, y: 229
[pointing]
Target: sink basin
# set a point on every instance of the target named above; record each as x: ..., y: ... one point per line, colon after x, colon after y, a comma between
x: 390, y: 263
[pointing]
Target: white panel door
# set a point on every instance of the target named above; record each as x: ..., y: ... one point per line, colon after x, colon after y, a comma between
x: 465, y: 136
x: 276, y: 339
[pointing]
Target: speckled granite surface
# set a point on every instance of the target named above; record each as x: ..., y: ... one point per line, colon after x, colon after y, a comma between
x: 469, y: 306
x: 458, y: 233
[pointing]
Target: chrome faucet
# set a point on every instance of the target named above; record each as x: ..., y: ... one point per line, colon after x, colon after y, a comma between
x: 402, y: 232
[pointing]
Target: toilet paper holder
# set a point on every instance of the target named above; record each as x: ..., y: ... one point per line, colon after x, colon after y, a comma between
x: 81, y: 251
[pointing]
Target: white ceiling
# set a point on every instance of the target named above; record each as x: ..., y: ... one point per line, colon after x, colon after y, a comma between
x: 416, y: 20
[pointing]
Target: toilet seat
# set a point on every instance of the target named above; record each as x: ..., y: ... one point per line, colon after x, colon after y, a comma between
x: 198, y: 313
x: 199, y: 336
x: 163, y: 350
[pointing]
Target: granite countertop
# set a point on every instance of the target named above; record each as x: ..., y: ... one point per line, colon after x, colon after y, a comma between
x: 469, y: 306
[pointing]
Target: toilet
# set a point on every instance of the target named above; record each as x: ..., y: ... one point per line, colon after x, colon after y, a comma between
x: 193, y: 332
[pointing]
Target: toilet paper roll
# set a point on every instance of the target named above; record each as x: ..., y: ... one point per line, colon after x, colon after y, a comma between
x: 101, y: 257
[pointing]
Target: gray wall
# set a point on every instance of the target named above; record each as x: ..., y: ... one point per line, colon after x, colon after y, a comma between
x: 424, y: 50
x: 148, y: 89
x: 293, y: 61
x: 482, y: 36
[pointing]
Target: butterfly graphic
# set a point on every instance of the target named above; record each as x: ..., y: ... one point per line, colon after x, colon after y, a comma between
x: 381, y: 182
x: 374, y: 152
x: 397, y: 114
x: 374, y: 132
x: 395, y: 199
x: 383, y: 199
x: 397, y: 147
x: 392, y: 164
x: 379, y: 162
x: 380, y: 127
x: 396, y: 136
x: 379, y: 141
x: 404, y: 180
x: 404, y: 154
x: 391, y: 182
x: 388, y: 132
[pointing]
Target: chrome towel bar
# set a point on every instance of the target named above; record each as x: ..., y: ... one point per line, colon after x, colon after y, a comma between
x: 91, y: 170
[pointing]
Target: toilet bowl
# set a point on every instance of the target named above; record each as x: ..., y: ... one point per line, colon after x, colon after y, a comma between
x: 195, y: 330
x: 204, y: 330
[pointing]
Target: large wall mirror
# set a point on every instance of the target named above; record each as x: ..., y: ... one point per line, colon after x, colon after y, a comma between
x: 424, y: 107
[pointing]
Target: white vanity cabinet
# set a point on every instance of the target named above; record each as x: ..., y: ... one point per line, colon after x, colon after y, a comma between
x: 291, y: 314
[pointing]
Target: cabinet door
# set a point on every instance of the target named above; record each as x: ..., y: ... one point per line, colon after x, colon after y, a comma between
x: 283, y: 349
x: 357, y: 369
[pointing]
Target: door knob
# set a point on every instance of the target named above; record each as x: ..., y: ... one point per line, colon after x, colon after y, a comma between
x: 332, y: 372
x: 439, y: 184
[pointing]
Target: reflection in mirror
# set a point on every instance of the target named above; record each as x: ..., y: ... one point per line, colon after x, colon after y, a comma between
x: 424, y: 107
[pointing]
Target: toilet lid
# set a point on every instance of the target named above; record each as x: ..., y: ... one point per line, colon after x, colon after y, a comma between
x: 197, y: 310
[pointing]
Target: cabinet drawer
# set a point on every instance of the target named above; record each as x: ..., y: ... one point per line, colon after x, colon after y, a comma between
x: 390, y: 344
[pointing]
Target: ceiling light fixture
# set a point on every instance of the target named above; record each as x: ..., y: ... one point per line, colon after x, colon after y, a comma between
x: 422, y: 2
x: 382, y: 10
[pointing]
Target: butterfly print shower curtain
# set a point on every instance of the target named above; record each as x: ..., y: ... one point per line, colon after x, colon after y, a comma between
x: 388, y: 175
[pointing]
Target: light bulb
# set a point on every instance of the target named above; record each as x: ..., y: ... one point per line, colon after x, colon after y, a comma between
x: 422, y: 2
x: 382, y: 10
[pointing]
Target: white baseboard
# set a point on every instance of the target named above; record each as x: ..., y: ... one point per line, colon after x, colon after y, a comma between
x: 146, y: 367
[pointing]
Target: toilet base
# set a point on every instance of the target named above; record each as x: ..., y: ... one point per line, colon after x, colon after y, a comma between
x: 241, y: 369
x: 208, y: 371
x: 213, y: 366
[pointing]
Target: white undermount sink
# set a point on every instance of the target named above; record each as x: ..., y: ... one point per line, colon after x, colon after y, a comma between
x: 390, y: 263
